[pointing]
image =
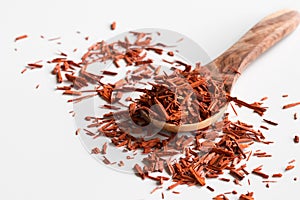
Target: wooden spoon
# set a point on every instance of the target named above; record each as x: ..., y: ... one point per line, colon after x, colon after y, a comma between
x: 256, y: 41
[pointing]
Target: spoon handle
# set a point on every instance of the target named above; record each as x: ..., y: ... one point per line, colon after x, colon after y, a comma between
x: 256, y: 41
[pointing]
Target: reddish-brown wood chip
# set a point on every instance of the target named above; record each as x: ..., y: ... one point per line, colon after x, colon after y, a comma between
x: 104, y: 148
x: 264, y: 98
x: 199, y: 179
x: 171, y: 53
x: 81, y: 98
x: 77, y: 131
x: 109, y: 73
x: 110, y: 107
x: 296, y: 139
x: 23, y: 71
x: 156, y: 50
x: 63, y: 88
x: 210, y: 188
x: 95, y: 150
x: 254, y: 106
x: 34, y: 65
x: 21, y: 37
x: 113, y: 26
x: 63, y: 54
x: 139, y: 171
x: 89, y: 132
x: 224, y: 179
x: 291, y: 105
x: 233, y: 109
x: 248, y: 196
x: 220, y: 197
x: 121, y: 164
x: 237, y: 182
x: 262, y: 154
x: 292, y: 161
x: 174, y: 185
x: 277, y: 175
x: 258, y: 172
x: 70, y: 92
x: 289, y: 167
x: 268, y: 181
x: 155, y: 189
x: 295, y: 116
x: 264, y: 127
x: 270, y: 122
x: 53, y: 39
x: 263, y: 175
x: 249, y: 155
x: 106, y: 161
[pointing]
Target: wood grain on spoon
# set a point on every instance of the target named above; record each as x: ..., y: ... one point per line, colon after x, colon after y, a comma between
x: 229, y: 65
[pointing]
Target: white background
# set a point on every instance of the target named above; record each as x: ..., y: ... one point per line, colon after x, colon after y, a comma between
x: 40, y: 156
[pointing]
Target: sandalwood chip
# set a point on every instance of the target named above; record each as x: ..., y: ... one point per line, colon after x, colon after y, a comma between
x: 220, y: 197
x: 270, y: 122
x: 289, y: 167
x: 264, y: 98
x: 139, y: 171
x: 95, y: 150
x: 210, y: 188
x: 104, y: 148
x: 224, y: 179
x: 248, y: 196
x: 277, y: 175
x: 296, y: 139
x: 34, y: 65
x: 155, y: 189
x: 171, y: 53
x: 121, y: 164
x: 257, y: 171
x: 53, y: 39
x: 291, y: 105
x: 21, y: 37
x: 109, y: 73
x: 113, y: 26
x: 106, y: 161
x: 292, y: 161
x: 77, y: 131
x: 24, y: 70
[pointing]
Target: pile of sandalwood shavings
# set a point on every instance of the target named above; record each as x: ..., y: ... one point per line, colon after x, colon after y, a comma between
x: 181, y: 97
x: 185, y: 96
x: 207, y: 154
x: 132, y: 53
